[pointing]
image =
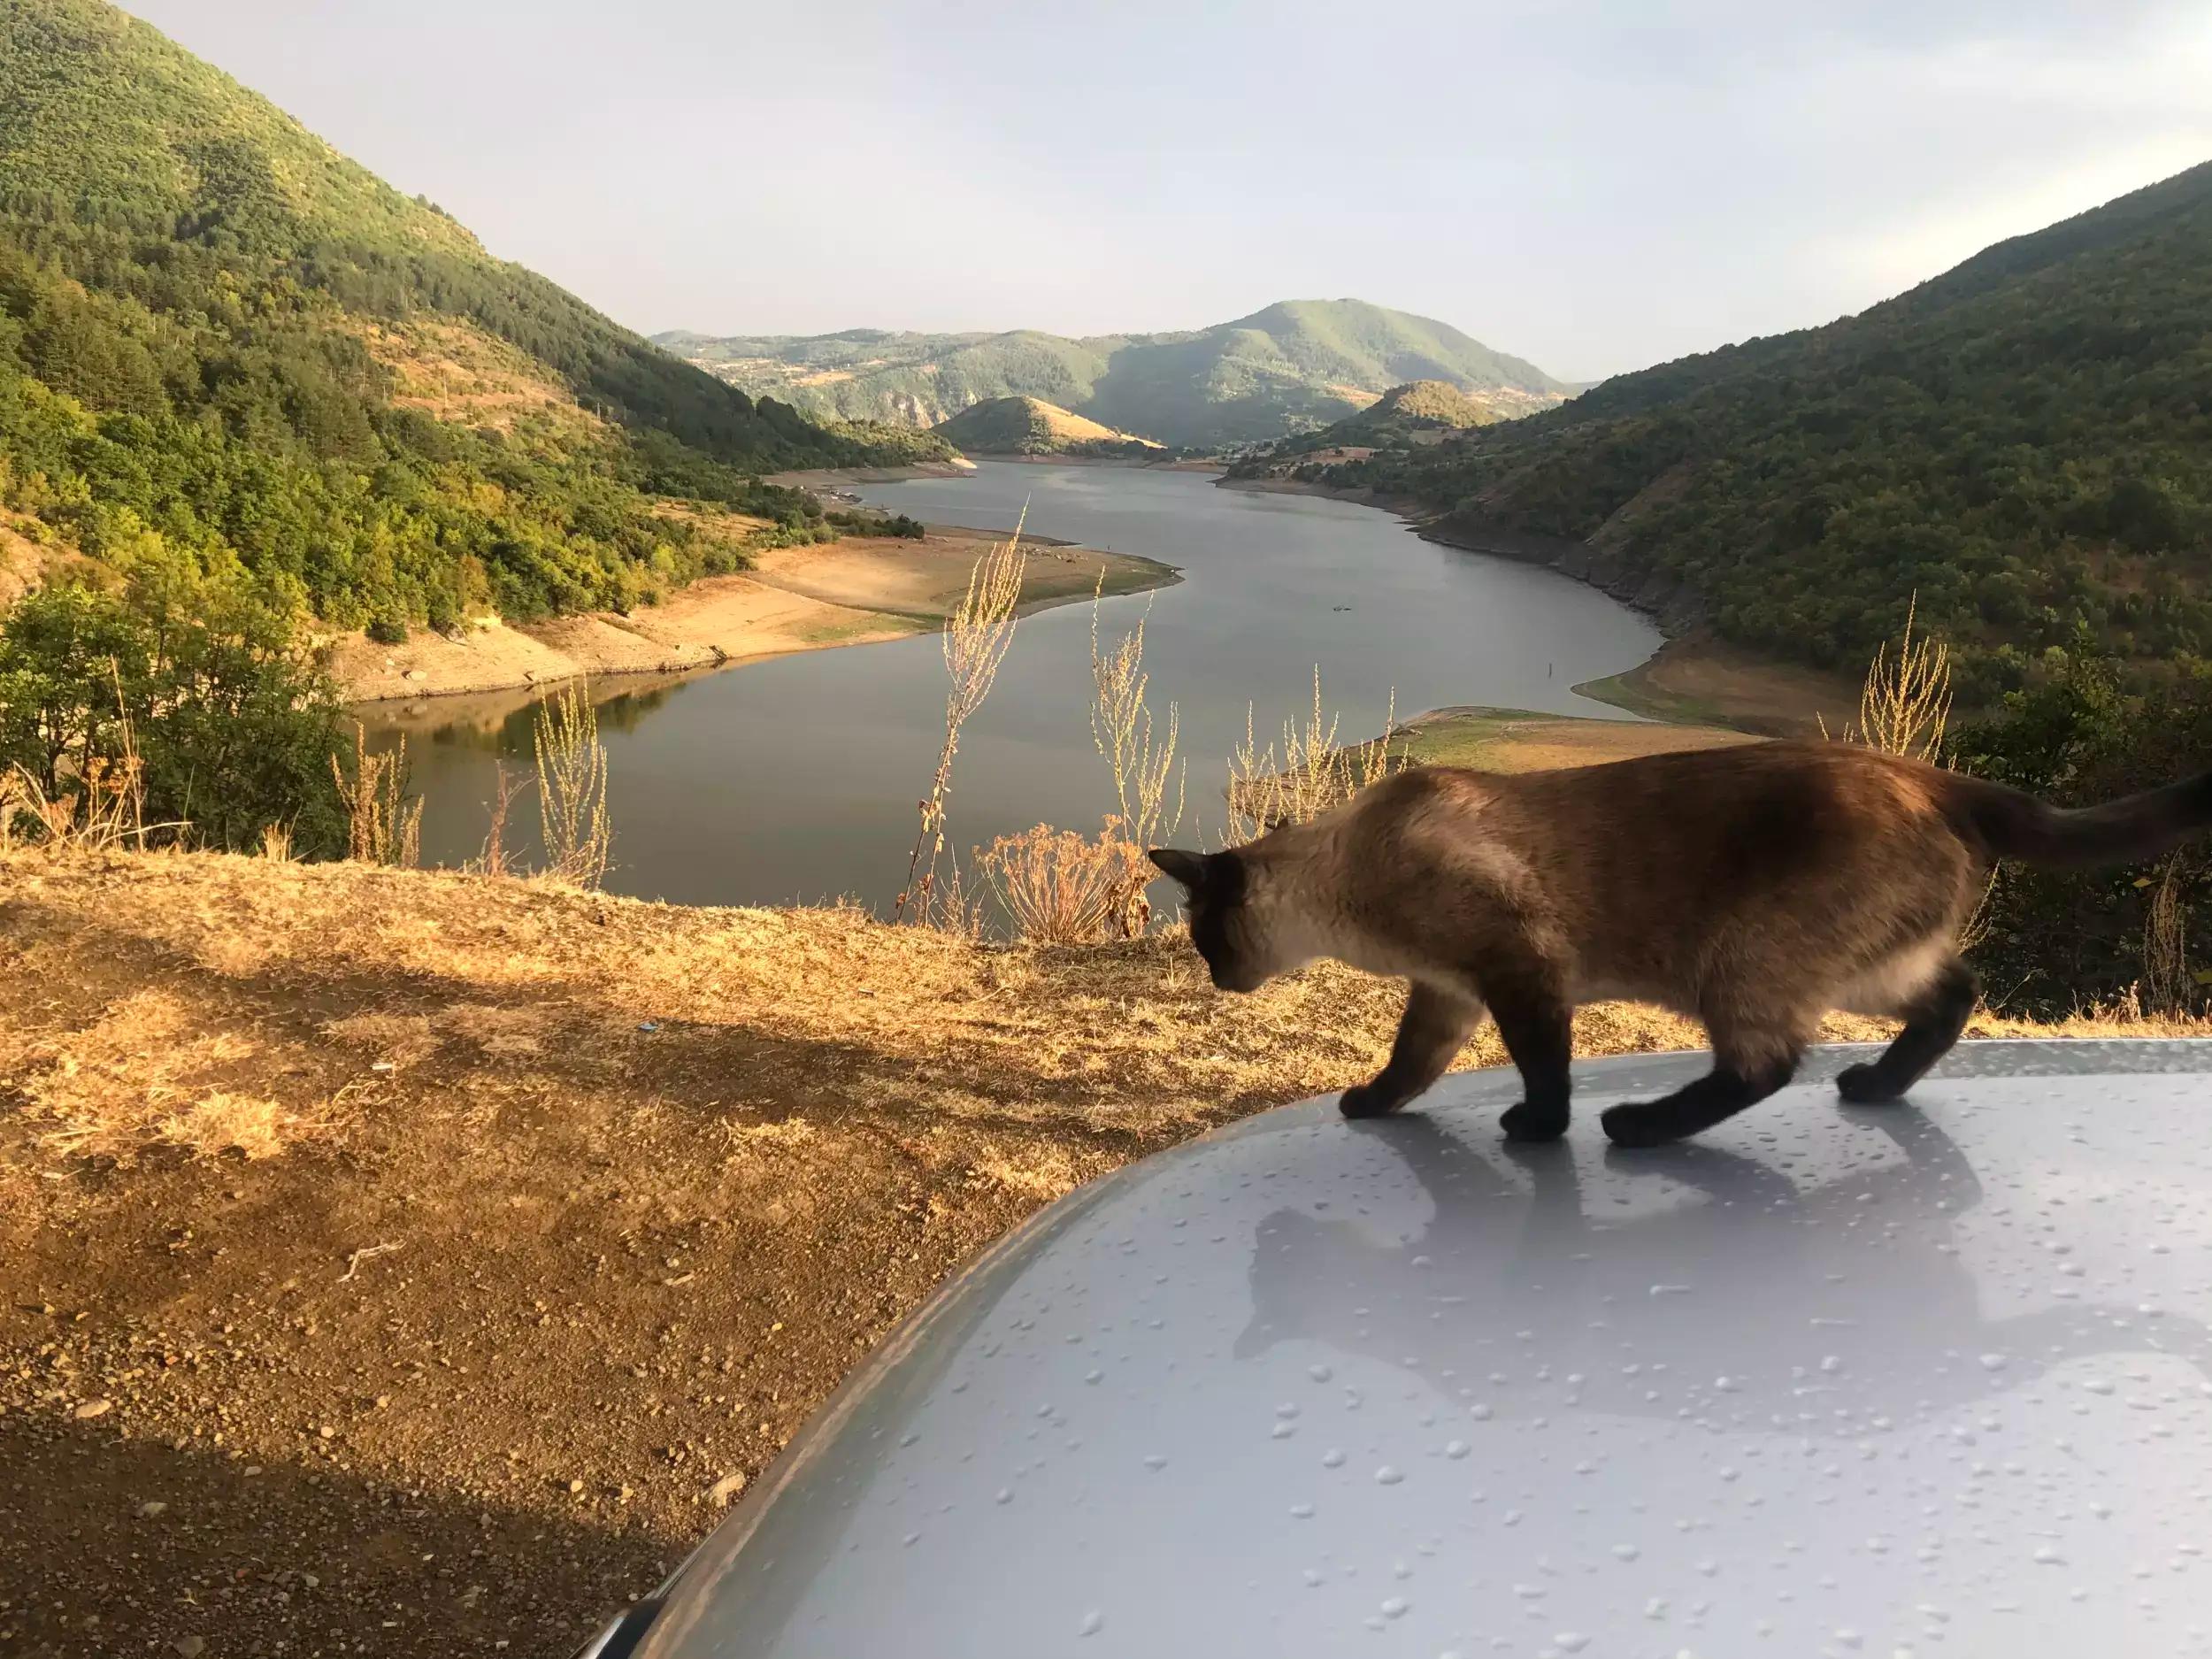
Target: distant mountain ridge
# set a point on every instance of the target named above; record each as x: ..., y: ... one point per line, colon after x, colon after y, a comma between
x: 1294, y: 365
x: 2021, y: 447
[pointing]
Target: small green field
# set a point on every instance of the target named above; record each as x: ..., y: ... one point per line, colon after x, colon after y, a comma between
x: 1522, y: 740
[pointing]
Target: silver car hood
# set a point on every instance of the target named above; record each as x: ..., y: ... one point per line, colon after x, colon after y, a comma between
x: 1929, y: 1379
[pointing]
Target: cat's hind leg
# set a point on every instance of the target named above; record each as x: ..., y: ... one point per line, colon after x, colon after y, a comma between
x: 1935, y: 1015
x: 1751, y: 1058
x: 1536, y: 1023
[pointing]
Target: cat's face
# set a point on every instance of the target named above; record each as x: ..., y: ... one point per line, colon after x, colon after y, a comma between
x: 1227, y: 925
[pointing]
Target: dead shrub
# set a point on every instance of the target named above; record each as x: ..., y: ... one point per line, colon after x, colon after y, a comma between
x: 1905, y: 704
x: 1060, y: 888
x: 383, y: 818
x: 1311, y: 775
x: 493, y: 861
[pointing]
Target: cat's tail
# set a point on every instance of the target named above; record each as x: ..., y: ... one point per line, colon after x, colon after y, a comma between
x: 2007, y: 823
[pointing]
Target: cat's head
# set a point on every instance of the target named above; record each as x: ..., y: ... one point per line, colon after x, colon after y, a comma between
x: 1231, y: 921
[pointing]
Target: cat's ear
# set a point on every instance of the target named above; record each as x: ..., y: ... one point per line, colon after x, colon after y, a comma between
x: 1187, y: 868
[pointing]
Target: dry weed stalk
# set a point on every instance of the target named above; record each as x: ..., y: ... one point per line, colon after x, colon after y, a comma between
x: 107, y: 809
x: 954, y: 907
x: 1313, y: 774
x: 276, y: 843
x: 2173, y: 988
x: 1984, y: 915
x: 976, y: 638
x: 507, y: 785
x: 1905, y: 709
x: 572, y: 766
x: 1142, y: 763
x: 1062, y: 888
x: 22, y: 796
x: 383, y: 824
x: 1905, y: 704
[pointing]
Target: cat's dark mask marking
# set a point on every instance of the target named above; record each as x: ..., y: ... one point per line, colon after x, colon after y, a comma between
x: 1214, y: 887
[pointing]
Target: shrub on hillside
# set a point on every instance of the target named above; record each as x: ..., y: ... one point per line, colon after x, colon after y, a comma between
x: 2057, y: 940
x: 200, y: 676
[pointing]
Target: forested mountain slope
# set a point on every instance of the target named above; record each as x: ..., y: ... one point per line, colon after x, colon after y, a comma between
x: 2025, y: 443
x: 220, y: 338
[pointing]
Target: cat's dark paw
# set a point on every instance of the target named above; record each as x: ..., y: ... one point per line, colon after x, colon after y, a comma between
x: 1525, y: 1122
x: 1637, y: 1125
x: 1364, y: 1100
x: 1865, y: 1085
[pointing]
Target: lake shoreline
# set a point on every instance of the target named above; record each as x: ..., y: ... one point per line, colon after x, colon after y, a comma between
x: 1185, y: 465
x: 1692, y: 680
x: 829, y: 477
x: 861, y: 590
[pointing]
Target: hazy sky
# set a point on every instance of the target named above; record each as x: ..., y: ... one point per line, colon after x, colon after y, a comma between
x: 1591, y: 184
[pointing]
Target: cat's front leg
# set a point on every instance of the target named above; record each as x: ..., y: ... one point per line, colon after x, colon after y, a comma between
x: 1434, y: 1027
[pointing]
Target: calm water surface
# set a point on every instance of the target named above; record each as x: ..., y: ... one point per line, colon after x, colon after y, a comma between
x: 797, y: 779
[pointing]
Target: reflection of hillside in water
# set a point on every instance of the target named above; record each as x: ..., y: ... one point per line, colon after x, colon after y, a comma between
x: 500, y: 722
x: 1832, y: 1309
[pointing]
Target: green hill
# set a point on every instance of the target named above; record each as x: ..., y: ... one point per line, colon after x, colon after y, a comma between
x: 1029, y: 426
x: 1295, y: 366
x: 2025, y: 443
x: 220, y: 339
x: 1418, y: 412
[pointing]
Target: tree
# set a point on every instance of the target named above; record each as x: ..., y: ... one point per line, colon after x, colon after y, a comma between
x: 199, y: 675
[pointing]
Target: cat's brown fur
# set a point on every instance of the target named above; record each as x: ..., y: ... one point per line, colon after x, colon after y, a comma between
x: 1753, y: 889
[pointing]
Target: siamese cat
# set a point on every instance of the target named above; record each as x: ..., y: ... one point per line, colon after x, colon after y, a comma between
x: 1753, y: 889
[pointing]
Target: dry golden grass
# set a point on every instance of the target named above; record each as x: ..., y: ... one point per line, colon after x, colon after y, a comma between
x: 25, y: 555
x: 144, y: 1069
x: 214, y: 1002
x: 453, y: 371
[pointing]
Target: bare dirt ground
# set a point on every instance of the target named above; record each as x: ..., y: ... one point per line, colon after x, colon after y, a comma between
x: 853, y: 592
x: 926, y: 579
x: 1702, y: 682
x: 413, y: 1264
